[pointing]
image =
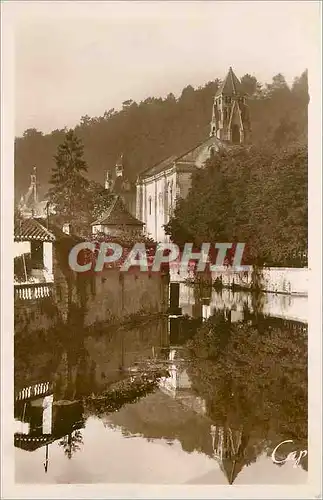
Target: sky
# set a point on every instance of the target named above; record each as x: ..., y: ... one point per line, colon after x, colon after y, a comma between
x: 82, y: 58
x: 108, y: 457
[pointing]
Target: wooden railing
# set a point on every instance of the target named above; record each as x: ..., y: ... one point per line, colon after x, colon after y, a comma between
x: 29, y: 291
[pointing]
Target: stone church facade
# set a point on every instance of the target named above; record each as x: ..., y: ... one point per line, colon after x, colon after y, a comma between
x: 159, y: 187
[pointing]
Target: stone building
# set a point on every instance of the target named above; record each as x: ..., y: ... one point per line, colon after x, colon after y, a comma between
x: 159, y: 187
x: 117, y: 221
x: 33, y: 252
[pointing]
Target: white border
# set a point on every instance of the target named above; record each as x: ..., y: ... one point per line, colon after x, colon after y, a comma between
x: 12, y: 491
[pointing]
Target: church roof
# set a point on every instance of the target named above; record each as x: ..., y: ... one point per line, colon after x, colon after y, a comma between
x: 230, y: 86
x: 189, y: 157
x: 159, y: 167
x: 31, y: 229
x: 117, y: 215
x: 193, y: 155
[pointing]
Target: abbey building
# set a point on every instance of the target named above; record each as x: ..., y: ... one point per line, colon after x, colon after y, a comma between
x: 159, y: 187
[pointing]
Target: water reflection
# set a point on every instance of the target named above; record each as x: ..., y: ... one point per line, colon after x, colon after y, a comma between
x: 210, y: 400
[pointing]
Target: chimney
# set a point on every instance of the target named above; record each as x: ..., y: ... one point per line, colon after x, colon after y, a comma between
x: 66, y: 228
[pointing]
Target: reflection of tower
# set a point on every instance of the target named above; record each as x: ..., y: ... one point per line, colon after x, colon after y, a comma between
x: 228, y: 450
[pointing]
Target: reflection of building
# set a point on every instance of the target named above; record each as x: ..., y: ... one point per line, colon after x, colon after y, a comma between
x: 178, y: 384
x: 39, y: 421
x: 160, y: 187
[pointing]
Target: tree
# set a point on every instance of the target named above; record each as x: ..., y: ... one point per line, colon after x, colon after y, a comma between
x: 249, y: 84
x: 257, y: 196
x: 278, y: 84
x: 71, y: 443
x: 69, y: 184
x: 248, y: 391
x: 285, y: 132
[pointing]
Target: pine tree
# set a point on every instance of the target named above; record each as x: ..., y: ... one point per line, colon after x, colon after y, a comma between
x: 68, y: 193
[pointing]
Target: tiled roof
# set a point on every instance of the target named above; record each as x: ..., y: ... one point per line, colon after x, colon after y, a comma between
x: 31, y: 229
x: 117, y: 215
x: 159, y: 167
x: 59, y: 234
x: 189, y: 156
x: 230, y: 86
x: 192, y: 155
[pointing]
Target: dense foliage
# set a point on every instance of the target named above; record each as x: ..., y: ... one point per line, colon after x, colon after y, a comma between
x: 77, y: 200
x: 151, y: 130
x: 257, y: 196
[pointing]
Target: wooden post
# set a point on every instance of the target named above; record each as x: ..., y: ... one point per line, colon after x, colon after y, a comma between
x: 24, y: 262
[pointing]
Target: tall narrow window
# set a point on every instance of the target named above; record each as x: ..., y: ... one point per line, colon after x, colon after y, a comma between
x: 160, y: 203
x: 149, y: 205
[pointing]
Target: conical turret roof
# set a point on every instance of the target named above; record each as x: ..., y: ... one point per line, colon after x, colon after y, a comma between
x: 231, y: 85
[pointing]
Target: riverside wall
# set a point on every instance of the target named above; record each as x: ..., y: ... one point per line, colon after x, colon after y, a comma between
x: 285, y: 280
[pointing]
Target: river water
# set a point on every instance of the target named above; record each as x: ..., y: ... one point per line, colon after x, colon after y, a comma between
x: 202, y: 398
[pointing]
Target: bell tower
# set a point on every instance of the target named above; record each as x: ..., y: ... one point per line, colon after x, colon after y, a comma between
x: 230, y: 114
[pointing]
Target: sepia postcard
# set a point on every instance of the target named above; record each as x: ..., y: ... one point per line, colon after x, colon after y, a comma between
x: 161, y: 224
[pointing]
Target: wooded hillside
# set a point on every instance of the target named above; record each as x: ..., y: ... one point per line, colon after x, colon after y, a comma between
x: 151, y: 130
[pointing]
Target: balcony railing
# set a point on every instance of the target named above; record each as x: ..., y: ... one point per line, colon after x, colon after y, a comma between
x: 32, y: 391
x: 30, y: 291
